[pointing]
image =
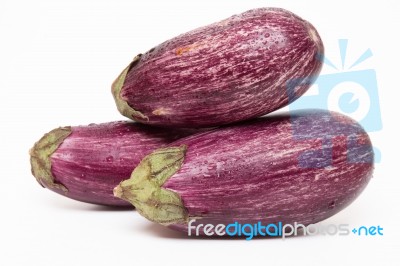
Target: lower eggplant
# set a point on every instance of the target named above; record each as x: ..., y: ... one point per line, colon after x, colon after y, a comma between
x: 303, y: 167
x: 85, y: 163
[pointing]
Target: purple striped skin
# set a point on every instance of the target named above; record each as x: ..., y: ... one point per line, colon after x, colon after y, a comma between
x: 225, y: 72
x: 251, y: 172
x: 93, y: 159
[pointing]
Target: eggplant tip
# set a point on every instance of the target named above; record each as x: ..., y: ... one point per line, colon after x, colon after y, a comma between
x: 118, y: 192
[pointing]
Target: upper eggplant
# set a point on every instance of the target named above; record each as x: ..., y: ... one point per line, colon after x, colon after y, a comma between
x: 229, y: 71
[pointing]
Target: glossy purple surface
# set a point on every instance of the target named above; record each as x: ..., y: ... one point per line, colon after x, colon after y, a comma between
x: 225, y: 72
x: 94, y: 159
x: 279, y: 169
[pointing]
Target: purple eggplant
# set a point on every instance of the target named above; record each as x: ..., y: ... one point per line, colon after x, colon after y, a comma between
x: 303, y: 168
x: 229, y: 71
x: 85, y: 163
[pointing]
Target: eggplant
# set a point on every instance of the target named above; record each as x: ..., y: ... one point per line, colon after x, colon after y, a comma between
x: 229, y: 71
x: 85, y: 163
x: 301, y: 167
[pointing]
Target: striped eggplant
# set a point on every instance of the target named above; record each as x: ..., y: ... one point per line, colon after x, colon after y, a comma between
x: 225, y: 72
x: 303, y: 168
x: 85, y: 163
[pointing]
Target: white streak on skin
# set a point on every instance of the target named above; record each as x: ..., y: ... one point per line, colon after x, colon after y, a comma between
x: 162, y: 111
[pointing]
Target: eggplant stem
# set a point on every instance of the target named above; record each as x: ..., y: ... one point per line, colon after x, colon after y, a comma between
x: 40, y: 157
x: 123, y: 107
x: 144, y: 188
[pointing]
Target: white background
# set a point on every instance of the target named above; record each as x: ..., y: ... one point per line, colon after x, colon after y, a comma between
x: 57, y: 62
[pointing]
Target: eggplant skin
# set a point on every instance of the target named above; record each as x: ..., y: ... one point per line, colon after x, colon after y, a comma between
x: 303, y: 167
x: 85, y: 163
x: 229, y: 71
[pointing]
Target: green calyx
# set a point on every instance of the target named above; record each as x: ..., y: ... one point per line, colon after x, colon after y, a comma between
x: 40, y: 157
x: 122, y: 105
x: 144, y: 190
